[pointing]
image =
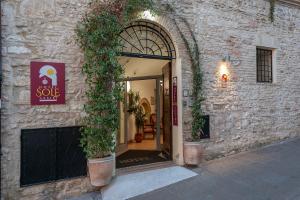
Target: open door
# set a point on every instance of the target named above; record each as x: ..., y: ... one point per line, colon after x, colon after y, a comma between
x: 167, y: 112
x: 122, y: 143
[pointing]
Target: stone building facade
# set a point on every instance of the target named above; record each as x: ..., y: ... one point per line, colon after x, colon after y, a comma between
x: 244, y: 113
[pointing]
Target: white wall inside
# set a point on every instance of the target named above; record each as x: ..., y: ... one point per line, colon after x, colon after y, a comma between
x: 135, y: 67
x: 146, y: 89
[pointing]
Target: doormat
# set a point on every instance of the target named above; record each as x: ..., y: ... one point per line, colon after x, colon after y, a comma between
x: 131, y: 185
x: 139, y: 157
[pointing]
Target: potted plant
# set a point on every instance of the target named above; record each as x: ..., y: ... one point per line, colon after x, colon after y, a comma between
x: 193, y: 151
x: 139, y: 123
x: 98, y: 37
x: 97, y: 34
x: 136, y: 108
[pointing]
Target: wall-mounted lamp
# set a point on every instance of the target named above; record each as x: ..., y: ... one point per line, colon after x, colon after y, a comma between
x: 223, y: 69
x: 224, y: 77
x: 148, y: 15
x: 227, y: 59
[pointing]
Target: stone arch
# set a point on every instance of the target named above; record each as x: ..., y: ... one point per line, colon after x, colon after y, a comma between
x: 181, y: 68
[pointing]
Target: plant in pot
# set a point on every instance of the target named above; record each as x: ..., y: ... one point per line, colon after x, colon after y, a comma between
x: 136, y: 108
x: 192, y: 149
x: 97, y: 34
x: 98, y: 37
x: 139, y: 123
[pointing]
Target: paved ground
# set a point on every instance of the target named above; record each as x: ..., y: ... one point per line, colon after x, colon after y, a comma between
x: 271, y: 173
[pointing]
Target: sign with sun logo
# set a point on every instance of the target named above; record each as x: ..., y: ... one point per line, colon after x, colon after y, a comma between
x: 47, y: 83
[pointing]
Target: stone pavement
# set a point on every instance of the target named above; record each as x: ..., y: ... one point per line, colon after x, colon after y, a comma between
x: 270, y: 173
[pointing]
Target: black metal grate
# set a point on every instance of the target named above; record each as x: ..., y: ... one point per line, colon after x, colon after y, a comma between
x: 51, y: 154
x: 206, y: 131
x: 145, y: 39
x: 264, y: 65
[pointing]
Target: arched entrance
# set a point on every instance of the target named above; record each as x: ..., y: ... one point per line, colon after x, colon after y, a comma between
x: 147, y: 55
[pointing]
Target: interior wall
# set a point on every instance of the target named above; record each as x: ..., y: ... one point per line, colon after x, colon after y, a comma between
x: 146, y: 89
x: 122, y: 125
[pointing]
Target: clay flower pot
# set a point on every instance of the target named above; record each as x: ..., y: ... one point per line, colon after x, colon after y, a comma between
x: 193, y: 153
x: 101, y: 170
x: 138, y: 137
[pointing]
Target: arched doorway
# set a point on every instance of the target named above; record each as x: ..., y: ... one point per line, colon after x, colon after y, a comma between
x: 147, y: 55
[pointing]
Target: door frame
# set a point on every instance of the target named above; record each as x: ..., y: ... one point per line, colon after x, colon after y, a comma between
x: 171, y: 107
x: 157, y: 78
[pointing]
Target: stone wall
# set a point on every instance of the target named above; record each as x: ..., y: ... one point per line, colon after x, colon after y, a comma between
x: 243, y: 113
x: 38, y: 30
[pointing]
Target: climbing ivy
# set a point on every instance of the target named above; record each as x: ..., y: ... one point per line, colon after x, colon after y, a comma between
x: 194, y: 54
x: 97, y: 35
x: 272, y: 9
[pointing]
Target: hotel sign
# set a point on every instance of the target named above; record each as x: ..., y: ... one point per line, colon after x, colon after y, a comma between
x: 47, y: 83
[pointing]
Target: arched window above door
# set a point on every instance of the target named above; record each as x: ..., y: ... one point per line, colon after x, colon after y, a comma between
x: 145, y: 39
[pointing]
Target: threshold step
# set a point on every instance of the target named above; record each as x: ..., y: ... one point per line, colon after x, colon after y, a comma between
x: 145, y: 167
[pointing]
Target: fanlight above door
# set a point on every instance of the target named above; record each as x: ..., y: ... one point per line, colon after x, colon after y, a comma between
x: 145, y: 39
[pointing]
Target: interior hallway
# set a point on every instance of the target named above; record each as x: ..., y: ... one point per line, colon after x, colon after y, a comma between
x: 146, y: 144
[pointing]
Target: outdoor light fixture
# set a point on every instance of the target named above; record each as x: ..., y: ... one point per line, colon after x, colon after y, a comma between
x: 224, y: 72
x: 148, y: 15
x: 225, y: 77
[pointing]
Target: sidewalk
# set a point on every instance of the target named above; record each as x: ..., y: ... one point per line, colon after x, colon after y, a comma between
x: 270, y: 173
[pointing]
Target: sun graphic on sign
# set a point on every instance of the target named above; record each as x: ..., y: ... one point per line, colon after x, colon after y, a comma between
x: 49, y: 72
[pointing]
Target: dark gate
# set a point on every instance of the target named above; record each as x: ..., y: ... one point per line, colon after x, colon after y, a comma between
x: 51, y: 154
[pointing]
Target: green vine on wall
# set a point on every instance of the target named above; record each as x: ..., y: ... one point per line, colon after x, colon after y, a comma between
x: 194, y: 54
x: 98, y: 36
x: 272, y: 9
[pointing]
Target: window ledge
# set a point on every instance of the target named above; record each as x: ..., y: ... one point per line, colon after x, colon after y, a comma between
x: 267, y: 84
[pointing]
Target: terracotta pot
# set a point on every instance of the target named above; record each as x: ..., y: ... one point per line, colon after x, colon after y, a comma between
x: 193, y: 153
x: 138, y: 138
x: 101, y: 170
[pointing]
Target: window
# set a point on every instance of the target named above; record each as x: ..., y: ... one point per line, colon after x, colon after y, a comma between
x: 264, y: 65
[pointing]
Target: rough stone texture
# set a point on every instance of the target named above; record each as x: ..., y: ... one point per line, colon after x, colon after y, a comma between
x: 244, y: 113
x: 260, y: 175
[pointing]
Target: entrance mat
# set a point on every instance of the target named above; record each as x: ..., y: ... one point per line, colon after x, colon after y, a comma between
x: 139, y: 157
x: 131, y: 185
